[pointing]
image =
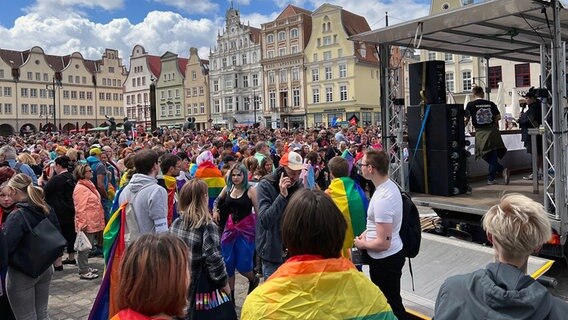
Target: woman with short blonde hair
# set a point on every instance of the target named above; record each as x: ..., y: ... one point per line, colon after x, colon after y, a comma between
x: 518, y: 227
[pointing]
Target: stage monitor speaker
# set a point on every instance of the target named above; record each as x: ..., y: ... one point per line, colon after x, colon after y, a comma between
x: 447, y: 175
x: 444, y: 128
x: 435, y: 82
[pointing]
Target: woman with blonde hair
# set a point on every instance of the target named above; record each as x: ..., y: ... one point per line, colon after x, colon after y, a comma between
x: 518, y: 227
x: 196, y: 228
x: 142, y: 294
x: 27, y: 295
x: 89, y: 215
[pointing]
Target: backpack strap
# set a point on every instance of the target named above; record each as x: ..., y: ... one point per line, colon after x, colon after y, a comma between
x: 411, y: 273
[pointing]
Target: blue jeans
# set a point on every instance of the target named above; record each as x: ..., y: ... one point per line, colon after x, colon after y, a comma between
x: 268, y: 268
x: 494, y: 166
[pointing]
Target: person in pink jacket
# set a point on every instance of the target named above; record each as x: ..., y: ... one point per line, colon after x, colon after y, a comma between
x: 89, y: 215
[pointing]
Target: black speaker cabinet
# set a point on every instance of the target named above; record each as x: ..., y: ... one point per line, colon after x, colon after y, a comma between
x: 445, y: 150
x: 434, y: 74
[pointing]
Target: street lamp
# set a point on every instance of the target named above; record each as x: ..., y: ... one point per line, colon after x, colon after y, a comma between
x: 52, y: 90
x: 254, y: 104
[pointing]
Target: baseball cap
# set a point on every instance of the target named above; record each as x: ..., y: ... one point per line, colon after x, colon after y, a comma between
x: 292, y: 160
x: 95, y: 151
x: 531, y: 93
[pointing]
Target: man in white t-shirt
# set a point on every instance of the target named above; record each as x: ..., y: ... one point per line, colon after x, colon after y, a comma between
x: 381, y: 239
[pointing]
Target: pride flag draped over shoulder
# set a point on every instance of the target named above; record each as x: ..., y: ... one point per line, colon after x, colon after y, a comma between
x: 171, y: 186
x: 352, y: 202
x: 214, y: 179
x: 114, y: 248
x: 336, y: 291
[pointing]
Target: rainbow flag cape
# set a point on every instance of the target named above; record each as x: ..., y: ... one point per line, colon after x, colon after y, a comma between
x: 353, y: 204
x: 349, y: 157
x: 171, y: 187
x: 130, y: 314
x: 114, y: 248
x: 310, y: 287
x: 214, y: 179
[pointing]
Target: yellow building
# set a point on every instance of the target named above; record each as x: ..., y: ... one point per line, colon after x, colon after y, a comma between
x: 47, y: 92
x: 169, y: 91
x: 196, y: 86
x: 342, y: 76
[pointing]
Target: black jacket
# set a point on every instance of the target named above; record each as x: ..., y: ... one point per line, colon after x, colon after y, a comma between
x: 15, y: 227
x: 59, y: 195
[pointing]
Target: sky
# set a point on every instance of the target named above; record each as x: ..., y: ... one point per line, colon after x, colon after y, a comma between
x: 62, y: 27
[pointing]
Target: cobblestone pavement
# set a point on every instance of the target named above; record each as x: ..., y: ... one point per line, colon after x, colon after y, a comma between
x: 71, y: 298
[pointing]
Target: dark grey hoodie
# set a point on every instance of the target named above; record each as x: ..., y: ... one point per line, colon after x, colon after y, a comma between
x: 498, y: 292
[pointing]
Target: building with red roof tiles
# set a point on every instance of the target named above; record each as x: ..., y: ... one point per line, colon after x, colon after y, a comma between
x: 342, y: 75
x: 236, y: 75
x: 43, y: 92
x: 144, y: 69
x: 284, y: 41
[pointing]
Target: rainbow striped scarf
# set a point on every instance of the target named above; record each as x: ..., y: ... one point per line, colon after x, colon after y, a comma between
x: 171, y: 186
x: 352, y: 202
x: 114, y: 248
x: 214, y: 179
x: 309, y: 287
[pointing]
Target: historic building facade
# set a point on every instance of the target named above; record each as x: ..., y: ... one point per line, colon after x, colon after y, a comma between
x: 342, y: 75
x: 170, y: 98
x: 283, y: 44
x: 196, y: 86
x: 144, y: 69
x: 47, y: 92
x: 236, y: 75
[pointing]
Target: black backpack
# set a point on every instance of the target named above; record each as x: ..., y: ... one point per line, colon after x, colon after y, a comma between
x: 410, y: 229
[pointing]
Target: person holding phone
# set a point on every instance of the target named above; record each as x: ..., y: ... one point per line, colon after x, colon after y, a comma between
x: 273, y: 193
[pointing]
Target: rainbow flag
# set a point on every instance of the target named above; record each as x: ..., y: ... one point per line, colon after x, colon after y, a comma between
x: 349, y: 157
x: 130, y: 314
x: 214, y: 179
x: 171, y: 187
x: 353, y: 204
x: 309, y: 287
x: 114, y: 248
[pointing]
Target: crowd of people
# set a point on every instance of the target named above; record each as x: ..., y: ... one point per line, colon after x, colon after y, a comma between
x: 283, y: 206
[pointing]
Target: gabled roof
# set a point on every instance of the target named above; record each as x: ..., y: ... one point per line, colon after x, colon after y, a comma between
x: 182, y: 63
x: 155, y: 65
x: 57, y: 63
x: 92, y: 65
x: 255, y: 34
x: 14, y: 58
x: 292, y: 10
x: 353, y: 23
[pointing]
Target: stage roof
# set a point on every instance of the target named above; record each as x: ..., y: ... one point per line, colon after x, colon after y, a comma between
x: 504, y: 29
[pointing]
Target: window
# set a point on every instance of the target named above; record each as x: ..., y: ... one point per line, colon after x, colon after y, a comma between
x: 431, y: 56
x: 245, y: 81
x: 328, y: 94
x: 42, y: 109
x: 74, y: 110
x: 296, y: 97
x: 450, y: 81
x: 33, y: 93
x: 236, y: 80
x: 234, y: 60
x: 194, y: 91
x: 8, y: 92
x: 224, y: 62
x: 24, y: 92
x: 342, y: 71
x: 466, y: 80
x: 193, y: 75
x: 38, y: 76
x: 326, y: 40
x: 216, y: 107
x: 30, y: 75
x: 89, y: 96
x: 270, y: 54
x: 522, y: 75
x: 70, y: 79
x: 33, y: 108
x: 78, y: 79
x: 328, y: 73
x: 215, y: 85
x: 270, y: 38
x: 495, y: 76
x: 316, y: 95
x: 327, y: 55
x: 195, y: 108
x: 170, y: 110
x: 229, y: 103
x: 448, y: 57
x: 82, y: 110
x: 281, y: 36
x: 42, y: 93
x: 163, y: 111
x: 90, y: 110
x: 8, y: 108
x: 255, y: 80
x: 281, y: 52
x: 177, y: 94
x: 201, y: 107
x: 294, y: 33
x: 246, y: 103
x: 295, y: 74
x: 102, y: 111
x: 111, y: 69
x: 283, y: 75
x: 84, y: 81
x: 201, y: 92
x: 228, y: 82
x: 315, y: 59
x: 74, y: 95
x: 318, y: 118
x: 272, y: 100
x: 244, y: 58
x: 294, y: 49
x: 25, y: 108
x: 178, y: 109
x: 343, y: 93
x: 82, y: 95
x: 108, y: 96
x: 188, y: 92
x: 315, y: 75
x: 271, y: 77
x: 66, y: 110
x: 1, y: 73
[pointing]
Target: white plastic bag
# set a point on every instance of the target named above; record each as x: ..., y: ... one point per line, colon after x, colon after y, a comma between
x: 82, y: 242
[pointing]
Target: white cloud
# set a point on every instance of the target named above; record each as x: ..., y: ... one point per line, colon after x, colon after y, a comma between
x: 158, y: 32
x: 193, y: 6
